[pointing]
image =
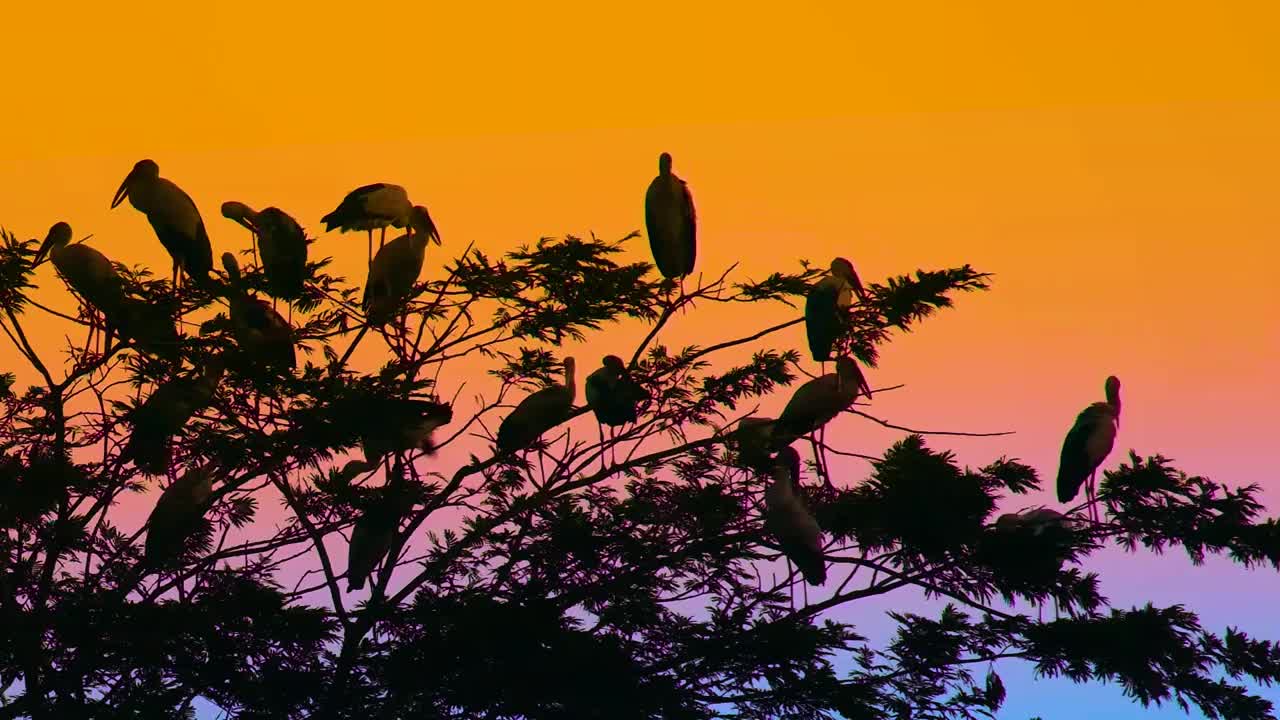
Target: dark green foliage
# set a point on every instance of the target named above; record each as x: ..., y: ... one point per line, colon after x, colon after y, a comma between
x: 629, y: 578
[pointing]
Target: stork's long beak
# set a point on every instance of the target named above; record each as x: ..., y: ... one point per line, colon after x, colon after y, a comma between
x: 43, y: 251
x: 123, y: 191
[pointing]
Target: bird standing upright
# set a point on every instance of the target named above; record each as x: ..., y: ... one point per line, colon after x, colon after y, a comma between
x: 1087, y: 444
x: 283, y: 243
x: 825, y: 305
x: 788, y: 519
x: 538, y: 413
x: 396, y: 268
x: 671, y: 222
x: 368, y: 207
x: 174, y: 217
x: 372, y: 537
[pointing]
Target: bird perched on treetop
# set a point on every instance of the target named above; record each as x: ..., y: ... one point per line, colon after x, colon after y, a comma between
x: 825, y: 305
x: 671, y: 222
x: 538, y: 413
x: 1087, y: 444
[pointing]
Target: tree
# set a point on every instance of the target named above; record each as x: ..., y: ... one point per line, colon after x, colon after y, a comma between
x: 626, y: 574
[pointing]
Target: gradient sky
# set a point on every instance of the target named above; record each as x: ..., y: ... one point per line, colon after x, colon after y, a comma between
x: 1115, y: 167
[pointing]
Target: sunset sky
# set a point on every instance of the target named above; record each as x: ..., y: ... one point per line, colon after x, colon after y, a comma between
x: 1116, y: 168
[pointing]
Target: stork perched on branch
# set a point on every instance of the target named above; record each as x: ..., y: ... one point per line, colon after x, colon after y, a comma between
x: 538, y: 413
x: 395, y: 270
x: 177, y: 515
x: 88, y: 272
x: 825, y: 305
x: 819, y: 401
x: 174, y: 217
x: 283, y: 244
x: 671, y: 222
x: 788, y: 519
x: 370, y: 207
x: 1087, y: 444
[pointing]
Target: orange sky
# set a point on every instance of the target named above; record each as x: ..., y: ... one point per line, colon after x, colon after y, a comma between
x: 1115, y: 167
x: 1114, y: 163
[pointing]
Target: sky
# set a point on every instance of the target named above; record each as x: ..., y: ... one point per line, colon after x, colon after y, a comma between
x: 1114, y: 167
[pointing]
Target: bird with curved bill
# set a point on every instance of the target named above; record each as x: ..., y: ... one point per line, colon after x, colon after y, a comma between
x: 820, y: 401
x: 825, y: 308
x: 395, y: 269
x: 283, y: 244
x: 671, y: 222
x: 371, y: 207
x: 175, y: 219
x: 788, y: 519
x: 1087, y: 444
x: 88, y: 272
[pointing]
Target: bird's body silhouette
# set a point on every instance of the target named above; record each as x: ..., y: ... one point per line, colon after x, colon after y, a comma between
x: 538, y: 413
x: 819, y: 401
x: 671, y: 222
x: 824, y: 307
x: 177, y: 515
x: 163, y: 414
x: 283, y: 245
x: 89, y: 273
x: 612, y: 394
x: 149, y: 325
x: 369, y: 208
x: 397, y: 424
x: 373, y: 535
x: 395, y: 269
x: 260, y: 332
x: 752, y: 441
x: 173, y: 216
x: 1087, y: 444
x: 788, y: 519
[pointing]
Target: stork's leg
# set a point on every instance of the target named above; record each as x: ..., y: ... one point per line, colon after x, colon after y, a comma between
x: 253, y: 239
x: 804, y: 588
x: 382, y: 239
x: 791, y: 585
x: 370, y: 231
x: 603, y: 447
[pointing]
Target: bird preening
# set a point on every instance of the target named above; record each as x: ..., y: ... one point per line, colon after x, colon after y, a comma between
x: 283, y: 246
x: 395, y: 269
x: 1087, y: 444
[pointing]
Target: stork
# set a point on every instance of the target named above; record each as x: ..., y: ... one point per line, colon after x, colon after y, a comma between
x: 260, y: 331
x: 825, y: 305
x: 284, y: 246
x: 1087, y: 444
x: 164, y: 413
x: 788, y: 519
x: 149, y: 325
x: 398, y: 424
x: 373, y: 535
x: 671, y: 222
x: 538, y: 413
x: 174, y: 217
x: 396, y: 268
x: 177, y: 515
x: 819, y: 401
x: 752, y: 441
x: 89, y: 273
x: 368, y: 207
x: 612, y: 394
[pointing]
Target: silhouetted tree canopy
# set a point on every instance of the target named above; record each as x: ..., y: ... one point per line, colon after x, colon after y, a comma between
x: 621, y: 572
